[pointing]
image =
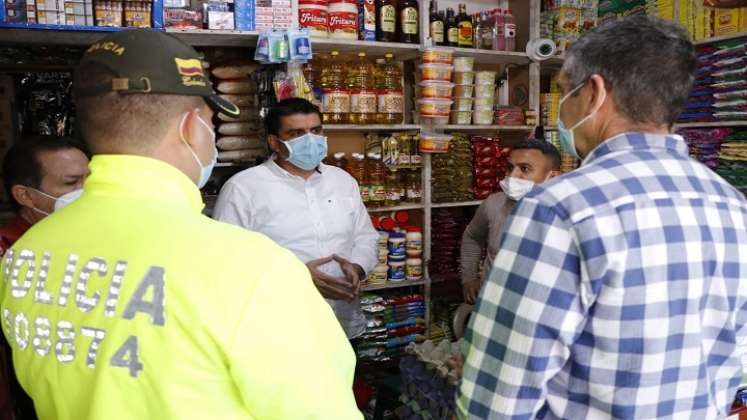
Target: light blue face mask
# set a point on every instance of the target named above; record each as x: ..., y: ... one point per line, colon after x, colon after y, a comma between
x: 567, y: 140
x: 306, y: 152
x: 205, y: 171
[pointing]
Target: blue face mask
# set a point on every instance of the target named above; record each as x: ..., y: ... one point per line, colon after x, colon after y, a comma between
x: 567, y: 140
x: 205, y: 171
x: 306, y: 152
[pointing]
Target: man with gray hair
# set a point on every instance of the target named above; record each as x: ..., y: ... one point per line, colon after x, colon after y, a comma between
x: 616, y: 290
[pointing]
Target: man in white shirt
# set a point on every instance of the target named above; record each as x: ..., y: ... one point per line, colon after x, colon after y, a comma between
x: 313, y: 209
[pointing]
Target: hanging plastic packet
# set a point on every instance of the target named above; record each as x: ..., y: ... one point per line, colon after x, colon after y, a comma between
x: 299, y: 41
x: 278, y: 47
x: 262, y: 53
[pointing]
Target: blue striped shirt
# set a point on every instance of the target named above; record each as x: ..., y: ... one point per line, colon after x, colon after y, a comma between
x: 615, y: 293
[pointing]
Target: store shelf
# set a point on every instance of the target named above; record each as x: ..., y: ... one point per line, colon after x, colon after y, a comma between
x: 352, y: 46
x: 371, y: 127
x: 458, y: 204
x: 414, y: 206
x: 484, y: 127
x: 392, y: 285
x: 43, y: 36
x: 711, y: 124
x: 720, y: 38
x: 216, y: 38
x: 555, y: 61
x: 492, y: 57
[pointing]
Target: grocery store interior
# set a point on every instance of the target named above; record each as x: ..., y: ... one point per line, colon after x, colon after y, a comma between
x: 422, y: 102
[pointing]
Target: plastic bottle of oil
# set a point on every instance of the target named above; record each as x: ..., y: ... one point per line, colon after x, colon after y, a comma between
x: 362, y: 93
x: 393, y: 188
x: 376, y: 178
x: 391, y: 101
x: 336, y: 98
x: 356, y: 167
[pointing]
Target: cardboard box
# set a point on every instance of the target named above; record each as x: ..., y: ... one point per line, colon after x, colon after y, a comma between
x: 244, y: 15
x: 72, y: 19
x: 76, y: 9
x: 726, y: 22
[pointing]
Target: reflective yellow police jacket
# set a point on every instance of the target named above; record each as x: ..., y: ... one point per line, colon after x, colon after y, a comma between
x: 130, y: 304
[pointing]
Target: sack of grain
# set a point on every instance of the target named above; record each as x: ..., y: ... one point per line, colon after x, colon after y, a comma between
x: 247, y: 114
x: 238, y: 71
x: 236, y: 86
x: 239, y: 142
x: 237, y: 129
x: 240, y: 155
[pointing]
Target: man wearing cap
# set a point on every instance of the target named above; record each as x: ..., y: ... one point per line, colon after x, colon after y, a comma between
x: 150, y: 309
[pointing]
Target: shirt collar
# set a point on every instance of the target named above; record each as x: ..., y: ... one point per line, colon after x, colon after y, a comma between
x: 142, y: 177
x: 638, y: 141
x: 278, y: 171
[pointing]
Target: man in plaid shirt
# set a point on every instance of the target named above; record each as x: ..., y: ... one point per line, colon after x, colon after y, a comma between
x: 616, y: 292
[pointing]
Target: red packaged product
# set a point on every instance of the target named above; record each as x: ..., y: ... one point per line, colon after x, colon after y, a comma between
x: 482, y: 193
x: 485, y: 183
x: 490, y: 161
x: 486, y: 172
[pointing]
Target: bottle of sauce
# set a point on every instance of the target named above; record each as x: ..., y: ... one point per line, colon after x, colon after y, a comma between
x: 437, y: 26
x: 408, y: 21
x: 464, y: 24
x: 452, y: 29
x: 392, y: 183
x: 499, y: 28
x: 477, y: 26
x: 336, y: 100
x: 510, y: 31
x: 386, y: 20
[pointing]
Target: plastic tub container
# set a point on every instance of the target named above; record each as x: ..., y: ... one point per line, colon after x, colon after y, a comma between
x: 485, y: 77
x: 434, y: 143
x: 483, y: 104
x: 463, y: 104
x: 433, y: 89
x: 434, y: 107
x: 464, y: 64
x: 433, y: 119
x: 438, y: 72
x: 464, y: 77
x: 464, y: 91
x: 484, y: 91
x: 483, y: 117
x: 461, y: 117
x: 438, y: 55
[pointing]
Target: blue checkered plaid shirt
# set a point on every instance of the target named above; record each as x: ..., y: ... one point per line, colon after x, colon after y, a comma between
x: 616, y: 293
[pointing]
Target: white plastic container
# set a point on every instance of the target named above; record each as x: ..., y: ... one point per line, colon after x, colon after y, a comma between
x: 414, y: 269
x: 483, y: 117
x: 436, y: 89
x: 462, y: 64
x: 434, y: 107
x: 464, y: 91
x: 483, y: 104
x: 485, y: 77
x: 438, y: 55
x: 434, y: 143
x: 463, y: 104
x: 461, y: 117
x: 434, y: 71
x: 464, y: 78
x: 484, y: 91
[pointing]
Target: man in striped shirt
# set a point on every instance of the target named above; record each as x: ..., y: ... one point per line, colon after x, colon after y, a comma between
x: 616, y: 291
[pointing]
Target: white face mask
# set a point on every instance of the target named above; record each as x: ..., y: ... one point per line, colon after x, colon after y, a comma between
x: 59, y: 202
x: 205, y: 171
x: 516, y: 188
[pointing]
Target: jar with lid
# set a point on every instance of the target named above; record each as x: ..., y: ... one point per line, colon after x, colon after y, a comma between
x: 379, y: 275
x: 343, y: 19
x: 414, y: 269
x: 414, y: 241
x: 393, y: 187
x: 405, y: 149
x: 397, y: 271
x: 313, y: 14
x: 397, y: 247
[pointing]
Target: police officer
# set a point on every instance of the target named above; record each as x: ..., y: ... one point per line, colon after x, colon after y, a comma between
x: 129, y: 303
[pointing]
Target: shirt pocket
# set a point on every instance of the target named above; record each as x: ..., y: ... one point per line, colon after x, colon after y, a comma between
x: 340, y: 214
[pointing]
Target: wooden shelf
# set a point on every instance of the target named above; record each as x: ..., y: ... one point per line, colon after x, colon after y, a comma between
x: 392, y: 285
x: 720, y: 38
x: 711, y: 124
x: 457, y: 204
x: 490, y: 56
x: 401, y: 51
x: 413, y: 206
x: 216, y: 38
x: 484, y: 127
x: 371, y: 127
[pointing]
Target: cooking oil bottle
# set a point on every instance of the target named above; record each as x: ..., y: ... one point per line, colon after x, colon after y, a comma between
x: 391, y: 101
x: 362, y: 93
x: 336, y: 98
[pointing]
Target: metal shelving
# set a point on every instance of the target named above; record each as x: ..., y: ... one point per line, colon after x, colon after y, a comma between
x: 371, y: 127
x: 491, y: 57
x: 392, y: 285
x: 457, y: 204
x: 404, y: 207
x: 720, y: 38
x: 452, y: 127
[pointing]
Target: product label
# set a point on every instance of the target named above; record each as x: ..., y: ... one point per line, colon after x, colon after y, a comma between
x: 397, y: 272
x: 367, y: 13
x: 409, y: 20
x: 313, y: 18
x: 346, y: 22
x: 377, y: 193
x: 416, y: 159
x: 453, y: 35
x: 393, y: 195
x: 364, y: 193
x: 391, y: 102
x: 413, y: 194
x: 363, y: 102
x: 437, y: 32
x: 510, y: 30
x: 388, y: 17
x: 335, y: 101
x: 415, y: 245
x: 414, y: 272
x: 404, y: 159
x: 465, y: 33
